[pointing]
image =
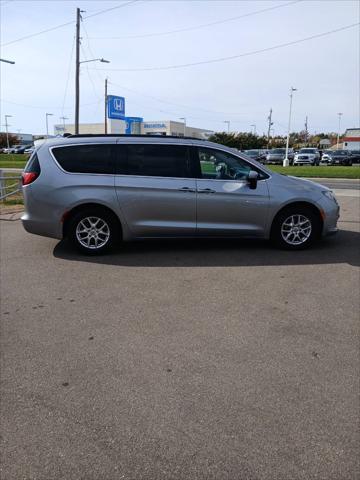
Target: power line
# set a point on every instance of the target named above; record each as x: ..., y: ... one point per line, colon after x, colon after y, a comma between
x: 37, y: 33
x: 232, y: 57
x: 187, y: 107
x: 91, y: 52
x: 68, y: 76
x: 31, y: 35
x: 88, y: 73
x: 110, y: 9
x: 46, y: 107
x: 197, y: 27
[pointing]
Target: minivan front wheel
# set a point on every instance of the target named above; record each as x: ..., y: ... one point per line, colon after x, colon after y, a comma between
x: 93, y: 231
x: 296, y: 229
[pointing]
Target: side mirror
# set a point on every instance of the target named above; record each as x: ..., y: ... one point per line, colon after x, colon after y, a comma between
x: 253, y: 179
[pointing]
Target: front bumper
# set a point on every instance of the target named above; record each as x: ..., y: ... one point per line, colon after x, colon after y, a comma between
x: 330, y: 213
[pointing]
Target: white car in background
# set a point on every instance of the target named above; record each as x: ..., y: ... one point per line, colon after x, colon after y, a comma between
x: 307, y: 156
x: 29, y: 150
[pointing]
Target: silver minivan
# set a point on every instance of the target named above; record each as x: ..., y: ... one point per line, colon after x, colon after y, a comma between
x: 100, y: 190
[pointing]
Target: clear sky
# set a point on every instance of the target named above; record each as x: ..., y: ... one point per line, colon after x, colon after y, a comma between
x: 325, y: 70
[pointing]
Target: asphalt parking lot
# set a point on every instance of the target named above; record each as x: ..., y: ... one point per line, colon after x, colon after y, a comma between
x: 181, y: 360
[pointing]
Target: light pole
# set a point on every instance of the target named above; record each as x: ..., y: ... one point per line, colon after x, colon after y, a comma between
x: 338, y: 135
x: 63, y: 119
x: 253, y: 125
x: 228, y: 125
x: 7, y: 131
x: 47, y: 123
x: 184, y: 118
x: 286, y: 160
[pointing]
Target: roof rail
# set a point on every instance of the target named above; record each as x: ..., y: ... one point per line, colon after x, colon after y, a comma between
x: 130, y: 135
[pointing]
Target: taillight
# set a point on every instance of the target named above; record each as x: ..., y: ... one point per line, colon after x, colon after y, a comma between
x: 29, y: 177
x: 32, y: 170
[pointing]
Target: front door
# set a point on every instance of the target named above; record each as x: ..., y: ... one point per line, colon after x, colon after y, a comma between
x: 154, y: 191
x: 226, y: 205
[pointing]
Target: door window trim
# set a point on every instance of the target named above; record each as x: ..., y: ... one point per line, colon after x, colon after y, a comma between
x: 196, y: 169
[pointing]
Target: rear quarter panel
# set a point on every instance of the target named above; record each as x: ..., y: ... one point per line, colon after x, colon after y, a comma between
x: 56, y: 192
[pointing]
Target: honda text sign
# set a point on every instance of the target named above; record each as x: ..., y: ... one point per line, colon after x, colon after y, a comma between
x: 116, y: 107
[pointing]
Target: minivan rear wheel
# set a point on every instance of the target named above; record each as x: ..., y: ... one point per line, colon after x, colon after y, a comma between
x: 93, y: 231
x: 296, y: 228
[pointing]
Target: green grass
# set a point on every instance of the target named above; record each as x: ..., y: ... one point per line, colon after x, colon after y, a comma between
x: 12, y: 161
x: 318, y: 172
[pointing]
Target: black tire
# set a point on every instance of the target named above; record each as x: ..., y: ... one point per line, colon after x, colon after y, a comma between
x: 108, y: 234
x: 278, y: 229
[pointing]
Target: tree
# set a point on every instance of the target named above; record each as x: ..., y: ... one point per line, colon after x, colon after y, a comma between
x: 3, y: 141
x: 240, y: 140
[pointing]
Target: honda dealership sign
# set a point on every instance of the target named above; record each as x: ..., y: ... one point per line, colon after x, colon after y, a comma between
x: 116, y: 107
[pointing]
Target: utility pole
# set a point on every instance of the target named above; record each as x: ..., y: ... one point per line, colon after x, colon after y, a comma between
x: 269, y: 128
x: 338, y: 135
x: 228, y: 125
x: 306, y: 130
x: 286, y: 160
x: 77, y: 71
x: 105, y: 109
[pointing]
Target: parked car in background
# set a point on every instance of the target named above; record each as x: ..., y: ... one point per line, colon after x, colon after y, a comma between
x: 20, y: 148
x: 307, y: 156
x: 276, y: 156
x: 337, y: 157
x: 9, y: 150
x: 259, y: 155
x: 29, y: 150
x: 355, y: 156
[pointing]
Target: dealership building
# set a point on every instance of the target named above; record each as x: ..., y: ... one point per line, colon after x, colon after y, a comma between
x: 118, y: 123
x: 351, y: 139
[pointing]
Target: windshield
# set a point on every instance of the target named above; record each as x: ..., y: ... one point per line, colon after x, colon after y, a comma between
x: 308, y: 150
x: 277, y: 150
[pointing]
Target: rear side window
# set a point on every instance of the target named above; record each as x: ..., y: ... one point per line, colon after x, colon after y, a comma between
x: 33, y: 164
x: 85, y: 158
x: 154, y: 161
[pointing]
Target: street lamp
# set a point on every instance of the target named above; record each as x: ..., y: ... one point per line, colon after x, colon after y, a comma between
x: 102, y: 60
x: 47, y: 124
x: 7, y: 61
x: 7, y: 132
x: 253, y: 125
x: 338, y: 135
x: 228, y: 125
x: 77, y: 86
x: 184, y: 118
x: 286, y: 160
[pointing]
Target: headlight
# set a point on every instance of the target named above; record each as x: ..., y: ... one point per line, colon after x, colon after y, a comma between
x: 330, y: 195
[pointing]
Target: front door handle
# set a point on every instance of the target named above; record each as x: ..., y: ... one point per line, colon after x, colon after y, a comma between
x: 206, y: 190
x: 187, y: 189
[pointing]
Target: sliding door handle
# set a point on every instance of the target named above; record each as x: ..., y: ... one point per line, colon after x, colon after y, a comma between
x: 187, y: 189
x: 206, y: 190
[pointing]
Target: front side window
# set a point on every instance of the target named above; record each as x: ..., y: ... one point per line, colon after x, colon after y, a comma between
x: 156, y: 161
x: 85, y: 158
x: 220, y: 165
